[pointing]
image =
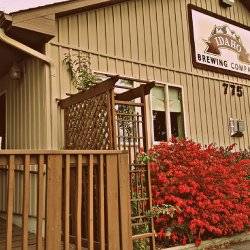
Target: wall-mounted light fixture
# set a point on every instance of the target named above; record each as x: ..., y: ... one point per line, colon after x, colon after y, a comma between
x: 15, y: 72
x: 228, y: 3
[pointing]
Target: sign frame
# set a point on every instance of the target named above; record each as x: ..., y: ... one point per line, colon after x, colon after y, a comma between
x: 202, y: 66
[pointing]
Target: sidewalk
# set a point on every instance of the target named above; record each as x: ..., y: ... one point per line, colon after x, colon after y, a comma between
x: 239, y: 246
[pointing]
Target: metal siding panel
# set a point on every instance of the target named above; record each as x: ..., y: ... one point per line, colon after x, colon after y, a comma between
x: 73, y: 30
x: 25, y: 125
x: 83, y: 30
x: 101, y: 38
x: 24, y: 102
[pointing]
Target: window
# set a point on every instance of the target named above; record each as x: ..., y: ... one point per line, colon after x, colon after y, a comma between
x: 176, y: 112
x: 167, y: 113
x: 159, y: 114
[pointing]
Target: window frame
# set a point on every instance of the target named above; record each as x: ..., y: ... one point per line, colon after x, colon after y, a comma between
x: 167, y: 111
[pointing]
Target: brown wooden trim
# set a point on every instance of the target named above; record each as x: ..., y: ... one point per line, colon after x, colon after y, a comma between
x: 79, y: 180
x: 135, y: 104
x: 111, y: 182
x: 203, y: 66
x: 62, y: 8
x: 113, y: 114
x: 92, y: 92
x: 5, y: 20
x: 53, y: 202
x: 135, y: 93
x: 125, y: 200
x: 101, y: 206
x: 102, y: 4
x: 215, y: 15
x: 113, y: 233
x: 91, y: 203
x: 246, y: 3
x: 66, y: 219
x: 10, y: 202
x: 26, y: 202
x: 40, y: 203
x: 58, y: 152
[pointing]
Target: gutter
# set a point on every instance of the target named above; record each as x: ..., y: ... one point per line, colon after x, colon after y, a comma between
x: 13, y: 43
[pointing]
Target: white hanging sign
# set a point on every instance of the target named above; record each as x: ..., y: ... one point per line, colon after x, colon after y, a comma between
x: 219, y: 44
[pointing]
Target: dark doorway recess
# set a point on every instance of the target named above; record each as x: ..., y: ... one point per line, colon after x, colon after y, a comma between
x: 3, y: 120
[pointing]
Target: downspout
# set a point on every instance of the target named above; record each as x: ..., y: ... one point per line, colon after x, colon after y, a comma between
x: 27, y: 50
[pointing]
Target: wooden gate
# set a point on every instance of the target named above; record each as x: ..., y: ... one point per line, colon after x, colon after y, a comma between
x: 101, y: 119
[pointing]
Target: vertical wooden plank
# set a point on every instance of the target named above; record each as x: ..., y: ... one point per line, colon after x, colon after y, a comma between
x: 110, y: 120
x: 151, y: 205
x: 147, y: 31
x: 112, y: 203
x: 10, y: 201
x: 154, y: 33
x: 53, y: 202
x: 124, y: 198
x: 26, y: 201
x: 144, y: 120
x: 110, y: 38
x: 101, y: 38
x: 40, y: 203
x: 79, y: 204
x: 91, y: 204
x: 101, y: 206
x: 118, y: 38
x: 167, y: 34
x: 173, y: 33
x: 67, y: 202
x: 133, y: 29
x: 113, y: 117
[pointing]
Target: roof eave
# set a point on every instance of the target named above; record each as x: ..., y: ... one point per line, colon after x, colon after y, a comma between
x: 246, y: 3
x: 5, y: 20
x: 60, y: 9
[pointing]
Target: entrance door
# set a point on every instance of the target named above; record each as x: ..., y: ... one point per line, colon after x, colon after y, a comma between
x: 3, y: 120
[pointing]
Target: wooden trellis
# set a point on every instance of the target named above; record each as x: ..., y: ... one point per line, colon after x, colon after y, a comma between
x: 101, y: 119
x: 88, y: 118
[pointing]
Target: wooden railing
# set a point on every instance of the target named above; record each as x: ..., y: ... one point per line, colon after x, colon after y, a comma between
x: 84, y: 202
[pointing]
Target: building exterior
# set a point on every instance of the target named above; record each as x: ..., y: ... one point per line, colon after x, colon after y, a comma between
x: 148, y: 40
x: 196, y: 52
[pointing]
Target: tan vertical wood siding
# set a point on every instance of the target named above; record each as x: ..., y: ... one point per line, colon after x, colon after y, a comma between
x: 26, y: 116
x: 25, y: 101
x: 149, y: 39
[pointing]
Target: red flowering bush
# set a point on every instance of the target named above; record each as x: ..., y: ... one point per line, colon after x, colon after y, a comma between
x: 209, y: 186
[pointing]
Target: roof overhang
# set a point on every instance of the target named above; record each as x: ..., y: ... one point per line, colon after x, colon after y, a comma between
x: 67, y: 7
x: 246, y: 3
x: 13, y: 51
x: 22, y: 47
x: 61, y: 8
x: 36, y: 26
x: 31, y: 32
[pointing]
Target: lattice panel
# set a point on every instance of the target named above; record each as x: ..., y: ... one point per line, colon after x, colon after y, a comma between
x: 129, y: 129
x: 87, y: 124
x: 142, y: 224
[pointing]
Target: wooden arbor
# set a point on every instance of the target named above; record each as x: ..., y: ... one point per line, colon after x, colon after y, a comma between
x: 94, y: 118
x: 101, y: 119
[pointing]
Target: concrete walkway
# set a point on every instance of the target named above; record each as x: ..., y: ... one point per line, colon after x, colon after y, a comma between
x: 239, y: 246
